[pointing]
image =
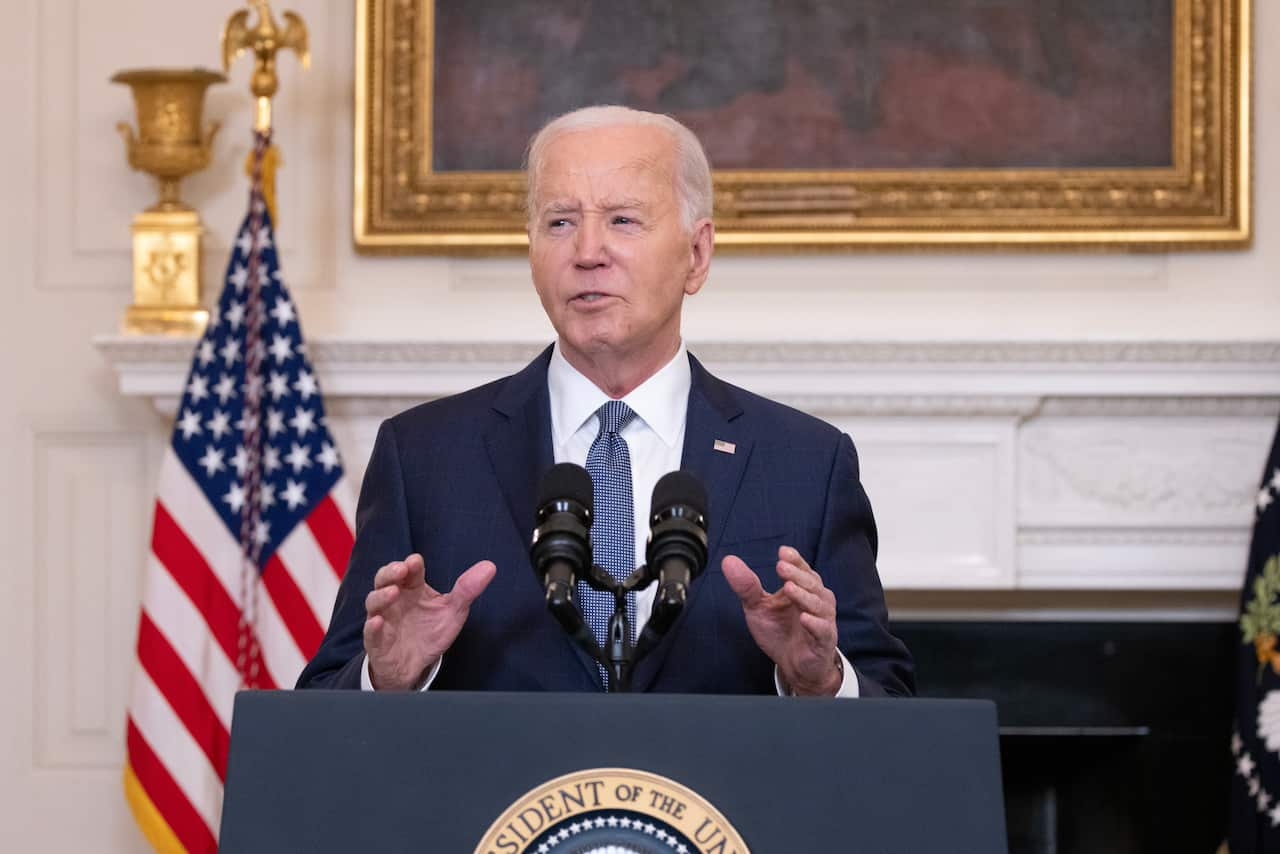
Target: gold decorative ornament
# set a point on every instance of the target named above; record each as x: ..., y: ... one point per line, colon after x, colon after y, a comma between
x: 265, y: 39
x: 170, y: 144
x: 1201, y: 200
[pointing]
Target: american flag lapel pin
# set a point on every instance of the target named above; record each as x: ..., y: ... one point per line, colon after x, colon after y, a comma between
x: 725, y: 447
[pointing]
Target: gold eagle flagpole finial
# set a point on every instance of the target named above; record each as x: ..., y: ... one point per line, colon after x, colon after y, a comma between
x: 265, y: 39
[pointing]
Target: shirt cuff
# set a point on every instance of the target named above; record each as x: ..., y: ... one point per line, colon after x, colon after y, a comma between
x: 366, y: 681
x: 848, y: 682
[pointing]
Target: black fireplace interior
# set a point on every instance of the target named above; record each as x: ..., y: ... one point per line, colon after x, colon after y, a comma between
x: 1113, y: 735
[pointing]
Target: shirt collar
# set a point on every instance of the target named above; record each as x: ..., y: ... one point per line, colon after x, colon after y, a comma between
x: 661, y: 401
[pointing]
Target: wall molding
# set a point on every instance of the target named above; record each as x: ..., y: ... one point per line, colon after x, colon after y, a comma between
x: 906, y: 376
x: 1111, y: 465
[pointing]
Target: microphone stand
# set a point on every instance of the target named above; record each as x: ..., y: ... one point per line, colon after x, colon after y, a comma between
x: 620, y: 655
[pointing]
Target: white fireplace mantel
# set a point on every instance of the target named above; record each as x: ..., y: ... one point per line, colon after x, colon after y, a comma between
x: 993, y: 465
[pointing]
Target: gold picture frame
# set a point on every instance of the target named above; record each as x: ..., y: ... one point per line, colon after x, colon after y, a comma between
x: 1201, y: 201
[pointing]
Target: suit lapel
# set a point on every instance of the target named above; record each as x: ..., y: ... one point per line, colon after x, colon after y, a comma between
x: 713, y: 416
x: 520, y: 449
x: 519, y: 440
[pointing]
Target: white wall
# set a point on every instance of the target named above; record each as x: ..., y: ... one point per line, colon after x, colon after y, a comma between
x: 79, y: 459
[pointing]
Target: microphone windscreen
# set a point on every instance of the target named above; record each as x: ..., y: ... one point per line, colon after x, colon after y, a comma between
x: 678, y: 488
x: 566, y: 481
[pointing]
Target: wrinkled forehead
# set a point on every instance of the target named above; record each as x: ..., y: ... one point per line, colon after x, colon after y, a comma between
x: 590, y: 166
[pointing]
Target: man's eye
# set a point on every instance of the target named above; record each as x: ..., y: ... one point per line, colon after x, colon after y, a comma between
x: 623, y: 220
x: 559, y: 222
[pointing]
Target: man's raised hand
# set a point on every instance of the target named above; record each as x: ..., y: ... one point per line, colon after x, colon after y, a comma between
x: 409, y: 625
x: 795, y: 627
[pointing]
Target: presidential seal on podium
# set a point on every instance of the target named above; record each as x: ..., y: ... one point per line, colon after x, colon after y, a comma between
x: 611, y: 811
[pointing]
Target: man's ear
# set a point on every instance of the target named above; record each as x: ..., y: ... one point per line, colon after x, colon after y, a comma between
x: 701, y: 245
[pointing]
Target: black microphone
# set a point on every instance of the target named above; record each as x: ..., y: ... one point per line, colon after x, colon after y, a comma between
x: 677, y: 549
x: 561, y: 547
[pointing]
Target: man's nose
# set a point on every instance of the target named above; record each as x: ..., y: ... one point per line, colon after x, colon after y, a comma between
x: 591, y: 243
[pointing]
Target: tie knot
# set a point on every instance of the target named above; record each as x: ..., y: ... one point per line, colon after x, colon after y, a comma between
x: 614, y: 415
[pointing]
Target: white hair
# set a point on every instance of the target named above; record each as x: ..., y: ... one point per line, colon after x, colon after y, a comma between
x: 693, y: 172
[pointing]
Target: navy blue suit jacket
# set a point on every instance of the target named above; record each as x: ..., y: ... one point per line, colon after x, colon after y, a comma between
x: 456, y: 481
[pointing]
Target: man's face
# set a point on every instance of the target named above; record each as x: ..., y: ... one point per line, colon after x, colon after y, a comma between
x: 610, y: 256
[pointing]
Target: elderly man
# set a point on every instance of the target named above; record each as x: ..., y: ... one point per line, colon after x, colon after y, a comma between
x: 440, y: 592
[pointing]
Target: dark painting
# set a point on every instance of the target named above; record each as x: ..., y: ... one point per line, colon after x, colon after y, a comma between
x: 818, y: 84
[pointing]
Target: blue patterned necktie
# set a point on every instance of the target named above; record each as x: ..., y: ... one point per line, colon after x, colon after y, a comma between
x: 613, y: 531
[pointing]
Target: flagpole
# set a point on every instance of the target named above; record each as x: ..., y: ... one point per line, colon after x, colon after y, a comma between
x: 252, y: 529
x: 265, y: 39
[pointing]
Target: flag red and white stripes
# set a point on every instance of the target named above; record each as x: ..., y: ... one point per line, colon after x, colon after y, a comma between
x: 251, y: 535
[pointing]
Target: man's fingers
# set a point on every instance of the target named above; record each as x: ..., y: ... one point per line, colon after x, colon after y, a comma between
x: 391, y: 573
x: 415, y: 570
x: 473, y: 582
x: 410, y: 572
x: 792, y: 567
x: 742, y: 580
x: 373, y: 631
x: 808, y: 601
x: 822, y: 631
x: 378, y: 600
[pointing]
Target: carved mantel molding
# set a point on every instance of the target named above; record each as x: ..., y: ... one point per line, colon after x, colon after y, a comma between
x: 875, y: 377
x: 993, y: 465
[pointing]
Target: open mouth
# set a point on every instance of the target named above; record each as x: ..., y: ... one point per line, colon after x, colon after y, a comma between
x: 590, y: 297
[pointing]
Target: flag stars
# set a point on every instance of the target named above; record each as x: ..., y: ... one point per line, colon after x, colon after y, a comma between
x: 262, y: 532
x: 271, y: 459
x: 275, y: 421
x: 248, y: 422
x: 198, y: 388
x: 294, y: 494
x: 264, y: 238
x: 303, y: 421
x: 266, y: 496
x: 328, y: 457
x: 219, y: 425
x: 240, y: 277
x: 1264, y: 499
x: 205, y: 354
x: 298, y: 457
x: 225, y: 389
x: 230, y: 351
x: 1245, y: 765
x: 283, y: 312
x: 235, y: 497
x: 240, y: 460
x: 234, y: 315
x: 1275, y: 815
x: 281, y: 348
x: 189, y: 424
x: 244, y: 243
x: 212, y: 461
x: 278, y: 386
x: 306, y: 384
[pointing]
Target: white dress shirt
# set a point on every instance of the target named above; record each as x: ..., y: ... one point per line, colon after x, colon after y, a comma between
x: 655, y: 442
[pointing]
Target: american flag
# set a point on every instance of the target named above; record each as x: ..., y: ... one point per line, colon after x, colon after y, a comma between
x: 251, y: 536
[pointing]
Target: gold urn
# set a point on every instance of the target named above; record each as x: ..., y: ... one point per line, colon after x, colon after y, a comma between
x: 170, y: 144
